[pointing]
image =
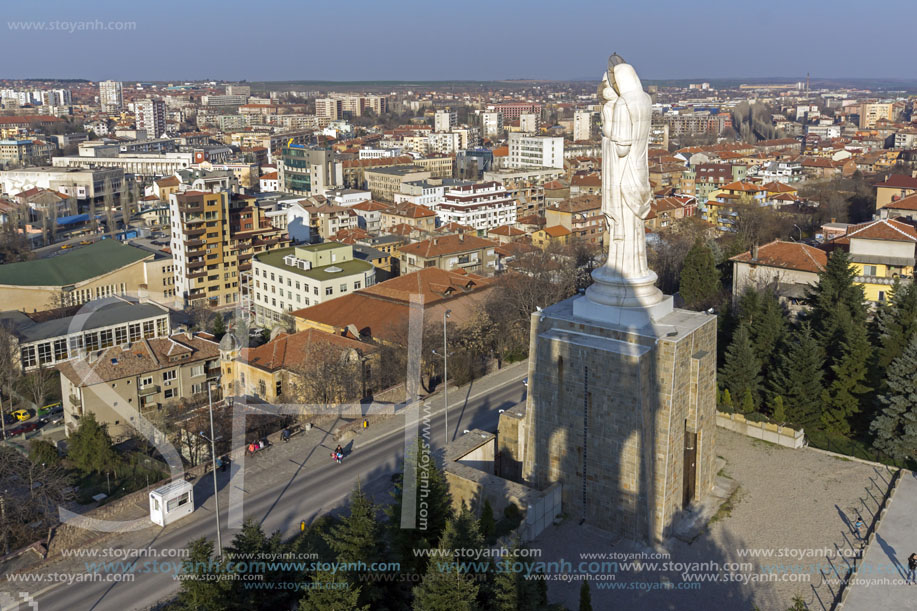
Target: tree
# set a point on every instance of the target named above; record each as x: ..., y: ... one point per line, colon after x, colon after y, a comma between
x: 896, y: 323
x: 833, y: 296
x: 219, y: 327
x: 445, y: 587
x: 324, y: 595
x: 326, y: 375
x: 741, y: 371
x: 585, y: 600
x: 38, y: 382
x: 895, y: 426
x: 798, y: 378
x: 43, y: 452
x: 487, y: 524
x: 778, y: 410
x: 699, y: 285
x: 357, y: 538
x: 843, y: 397
x: 768, y: 330
x: 90, y: 448
x: 203, y: 589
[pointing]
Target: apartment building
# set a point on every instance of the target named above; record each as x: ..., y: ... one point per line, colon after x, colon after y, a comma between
x: 83, y: 183
x: 307, y: 171
x: 430, y: 192
x: 482, y: 206
x: 131, y: 379
x: 384, y: 182
x: 151, y: 116
x: 511, y: 111
x: 369, y: 215
x: 406, y: 213
x: 882, y: 252
x: 582, y: 216
x: 213, y: 240
x: 527, y: 151
x: 529, y: 122
x: 450, y: 253
x: 444, y: 120
x: 329, y: 108
x: 492, y: 124
x: 872, y: 112
x: 582, y: 125
x: 293, y: 278
x: 110, y: 97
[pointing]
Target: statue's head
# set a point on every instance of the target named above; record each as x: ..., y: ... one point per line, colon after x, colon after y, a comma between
x: 626, y: 79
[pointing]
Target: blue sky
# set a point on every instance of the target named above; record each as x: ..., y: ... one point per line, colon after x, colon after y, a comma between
x: 456, y: 39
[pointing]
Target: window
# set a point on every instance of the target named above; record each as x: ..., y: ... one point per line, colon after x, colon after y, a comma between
x: 197, y: 371
x: 27, y: 356
x: 315, y: 290
x: 161, y: 327
x: 121, y: 335
x: 92, y: 341
x: 278, y: 388
x: 197, y: 389
x: 148, y: 329
x: 882, y: 296
x: 60, y: 350
x: 170, y: 375
x: 356, y: 285
x: 329, y: 290
x: 343, y: 288
x: 44, y: 353
x: 869, y: 270
x: 147, y: 381
x: 134, y: 331
x: 106, y: 338
x: 262, y: 388
x: 169, y: 393
x: 76, y: 344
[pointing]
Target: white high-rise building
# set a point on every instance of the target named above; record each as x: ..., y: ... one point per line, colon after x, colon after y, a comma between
x: 443, y: 120
x: 110, y: 96
x: 582, y: 125
x: 527, y: 151
x: 151, y: 116
x: 492, y: 124
x: 529, y: 122
x: 483, y: 206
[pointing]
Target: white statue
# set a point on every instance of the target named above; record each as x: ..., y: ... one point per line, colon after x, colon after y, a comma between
x: 625, y: 280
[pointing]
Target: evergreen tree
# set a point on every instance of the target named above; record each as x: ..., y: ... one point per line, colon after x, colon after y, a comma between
x: 895, y: 426
x: 445, y: 587
x: 741, y: 370
x: 896, y: 323
x: 768, y: 330
x: 325, y: 595
x: 90, y: 448
x: 248, y: 546
x: 358, y: 538
x: 204, y: 592
x: 487, y: 524
x: 843, y: 396
x: 798, y: 378
x: 748, y: 402
x: 778, y: 410
x: 699, y: 285
x: 219, y: 327
x: 585, y: 600
x: 836, y: 303
x: 727, y: 400
x: 431, y: 482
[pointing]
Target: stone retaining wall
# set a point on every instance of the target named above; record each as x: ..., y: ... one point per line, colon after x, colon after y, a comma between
x: 781, y: 435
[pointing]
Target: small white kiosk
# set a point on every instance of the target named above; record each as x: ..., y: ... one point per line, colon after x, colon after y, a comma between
x: 171, y: 502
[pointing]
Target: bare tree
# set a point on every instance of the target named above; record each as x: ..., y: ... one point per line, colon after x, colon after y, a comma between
x: 326, y: 375
x: 9, y: 370
x: 38, y: 383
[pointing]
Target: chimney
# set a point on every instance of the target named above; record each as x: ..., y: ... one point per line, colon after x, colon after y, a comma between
x: 754, y: 252
x: 461, y: 236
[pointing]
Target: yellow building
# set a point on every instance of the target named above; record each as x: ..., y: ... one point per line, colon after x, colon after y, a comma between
x: 881, y: 251
x: 723, y: 204
x: 895, y: 187
x: 551, y: 236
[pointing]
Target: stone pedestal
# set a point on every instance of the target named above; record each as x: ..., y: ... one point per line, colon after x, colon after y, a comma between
x: 621, y: 401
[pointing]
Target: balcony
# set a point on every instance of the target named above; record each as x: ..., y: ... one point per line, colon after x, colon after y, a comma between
x: 199, y: 274
x: 191, y: 243
x: 880, y: 280
x: 195, y: 231
x: 195, y: 265
x: 149, y: 389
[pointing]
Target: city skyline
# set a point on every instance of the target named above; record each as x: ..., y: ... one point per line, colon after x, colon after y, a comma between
x: 509, y: 41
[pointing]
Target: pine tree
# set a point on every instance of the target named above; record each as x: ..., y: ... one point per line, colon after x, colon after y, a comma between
x: 487, y: 524
x: 741, y: 370
x: 585, y: 600
x: 445, y: 587
x: 205, y: 591
x: 699, y: 285
x: 895, y: 426
x: 798, y: 378
x: 768, y: 331
x: 429, y: 480
x: 727, y: 400
x: 325, y: 595
x: 219, y: 327
x: 896, y: 323
x: 748, y: 402
x: 834, y: 300
x: 842, y: 398
x: 358, y: 538
x: 90, y: 448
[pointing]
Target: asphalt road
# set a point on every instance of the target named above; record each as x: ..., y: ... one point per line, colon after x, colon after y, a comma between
x: 307, y: 491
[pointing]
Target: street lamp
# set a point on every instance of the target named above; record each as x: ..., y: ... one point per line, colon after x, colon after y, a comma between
x: 445, y: 356
x: 213, y: 456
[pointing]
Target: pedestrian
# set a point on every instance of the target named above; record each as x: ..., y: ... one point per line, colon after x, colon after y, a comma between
x: 858, y: 525
x: 912, y: 569
x: 260, y: 444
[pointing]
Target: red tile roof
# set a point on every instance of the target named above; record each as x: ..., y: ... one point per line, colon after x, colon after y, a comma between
x: 885, y: 229
x: 446, y: 245
x: 787, y: 255
x: 899, y: 181
x: 905, y: 203
x: 288, y: 351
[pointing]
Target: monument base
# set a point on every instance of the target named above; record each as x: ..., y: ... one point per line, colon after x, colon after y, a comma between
x: 633, y: 317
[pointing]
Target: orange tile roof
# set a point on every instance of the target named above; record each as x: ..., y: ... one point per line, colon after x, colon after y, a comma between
x: 556, y: 231
x: 899, y: 181
x: 885, y: 229
x: 905, y: 203
x: 505, y: 230
x: 371, y: 205
x: 787, y: 255
x: 411, y: 211
x: 288, y: 351
x: 778, y: 187
x: 446, y: 245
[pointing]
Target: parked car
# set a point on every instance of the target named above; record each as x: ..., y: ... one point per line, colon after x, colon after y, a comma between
x: 66, y: 246
x: 50, y: 409
x: 27, y: 427
x: 9, y: 419
x: 23, y: 414
x: 85, y: 242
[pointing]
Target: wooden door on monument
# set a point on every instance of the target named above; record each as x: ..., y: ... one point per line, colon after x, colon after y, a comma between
x: 690, y: 468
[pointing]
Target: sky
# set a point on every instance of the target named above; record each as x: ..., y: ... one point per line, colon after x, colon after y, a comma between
x: 348, y: 40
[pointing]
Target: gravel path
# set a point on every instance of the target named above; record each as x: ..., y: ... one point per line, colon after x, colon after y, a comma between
x: 794, y: 507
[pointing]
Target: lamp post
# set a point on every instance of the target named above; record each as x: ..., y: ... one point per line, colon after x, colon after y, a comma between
x: 445, y: 356
x: 213, y: 456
